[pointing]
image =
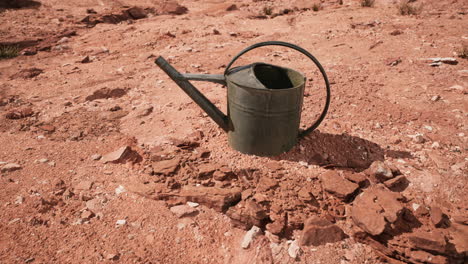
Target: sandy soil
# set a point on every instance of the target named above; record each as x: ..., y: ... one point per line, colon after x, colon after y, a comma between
x: 86, y: 85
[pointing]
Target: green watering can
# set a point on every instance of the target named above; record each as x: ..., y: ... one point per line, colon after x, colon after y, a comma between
x: 264, y: 102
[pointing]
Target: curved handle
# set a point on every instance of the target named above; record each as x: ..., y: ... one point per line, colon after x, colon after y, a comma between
x: 310, y: 56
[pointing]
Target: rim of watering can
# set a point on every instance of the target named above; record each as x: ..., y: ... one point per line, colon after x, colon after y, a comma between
x: 311, y: 57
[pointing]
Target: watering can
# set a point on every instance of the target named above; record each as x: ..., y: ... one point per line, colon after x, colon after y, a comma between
x: 264, y: 102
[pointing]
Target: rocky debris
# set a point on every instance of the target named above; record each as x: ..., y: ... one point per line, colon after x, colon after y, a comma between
x: 220, y: 199
x: 206, y: 170
x: 120, y: 189
x: 47, y: 128
x: 376, y: 207
x: 438, y: 61
x: 172, y: 8
x: 114, y: 17
x: 9, y: 167
x: 265, y: 183
x: 19, y: 113
x: 166, y: 167
x: 338, y: 186
x: 438, y: 218
x: 27, y: 73
x: 84, y: 185
x: 121, y: 222
x: 250, y: 236
x: 379, y: 171
x: 358, y: 178
x: 294, y: 250
x: 319, y: 231
x: 96, y: 157
x: 106, y: 93
x: 398, y: 183
x: 433, y: 241
x: 183, y: 210
x: 122, y: 155
x: 247, y: 214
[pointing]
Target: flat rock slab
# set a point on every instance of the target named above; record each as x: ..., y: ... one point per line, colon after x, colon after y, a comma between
x: 10, y: 167
x: 430, y: 241
x: 183, y: 210
x: 216, y: 198
x: 121, y: 155
x: 166, y: 167
x: 337, y: 185
x: 374, y: 208
x: 319, y: 231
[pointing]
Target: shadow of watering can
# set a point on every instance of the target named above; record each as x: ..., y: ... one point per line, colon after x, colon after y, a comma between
x: 264, y: 102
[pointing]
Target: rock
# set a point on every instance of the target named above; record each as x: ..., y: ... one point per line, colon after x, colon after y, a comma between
x: 419, y: 139
x: 96, y: 157
x: 9, y: 167
x: 172, y: 8
x: 294, y: 250
x: 122, y: 155
x: 19, y: 113
x: 433, y: 241
x: 43, y: 160
x: 19, y: 200
x: 247, y: 214
x: 194, y: 205
x: 47, y: 128
x: 459, y: 237
x: 120, y: 189
x: 121, y: 222
x: 278, y: 225
x: 232, y: 7
x: 85, y: 60
x: 358, y: 178
x: 213, y: 197
x: 84, y: 185
x: 425, y: 257
x: 460, y: 219
x: 27, y: 73
x: 319, y: 232
x: 265, y: 183
x: 87, y: 214
x: 249, y: 237
x: 435, y: 98
x: 136, y: 12
x: 166, y: 167
x: 143, y: 111
x: 106, y: 93
x: 52, y: 163
x: 112, y: 256
x: 379, y: 171
x: 447, y: 60
x: 183, y: 210
x: 273, y: 165
x: 206, y: 170
x: 373, y: 208
x: 398, y: 183
x: 338, y: 186
x: 437, y: 216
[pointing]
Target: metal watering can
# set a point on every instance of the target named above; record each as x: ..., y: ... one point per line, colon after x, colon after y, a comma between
x: 264, y: 102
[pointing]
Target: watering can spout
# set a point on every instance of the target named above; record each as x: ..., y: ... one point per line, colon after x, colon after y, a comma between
x: 183, y: 81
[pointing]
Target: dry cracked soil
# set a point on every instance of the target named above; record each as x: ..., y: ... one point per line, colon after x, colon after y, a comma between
x: 104, y: 159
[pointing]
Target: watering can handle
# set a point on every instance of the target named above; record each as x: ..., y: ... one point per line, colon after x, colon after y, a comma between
x: 310, y: 56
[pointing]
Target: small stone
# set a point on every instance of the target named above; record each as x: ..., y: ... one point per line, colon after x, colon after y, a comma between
x: 121, y: 222
x: 96, y: 157
x: 397, y: 184
x: 87, y: 214
x: 47, y: 128
x: 52, y: 163
x: 194, y: 205
x: 337, y: 185
x: 437, y: 216
x: 112, y: 256
x: 249, y: 237
x: 120, y: 190
x: 319, y: 232
x: 265, y: 183
x: 379, y: 171
x: 358, y: 178
x: 206, y: 169
x: 122, y: 155
x: 85, y: 60
x: 166, y: 167
x: 84, y: 185
x: 183, y: 210
x: 419, y: 139
x: 294, y: 250
x: 9, y: 167
x: 429, y: 241
x: 273, y: 165
x: 19, y: 200
x: 43, y: 160
x: 435, y: 98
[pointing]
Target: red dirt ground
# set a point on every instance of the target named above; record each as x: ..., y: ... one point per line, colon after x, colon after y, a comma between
x: 62, y: 204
